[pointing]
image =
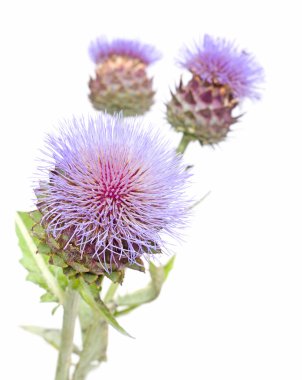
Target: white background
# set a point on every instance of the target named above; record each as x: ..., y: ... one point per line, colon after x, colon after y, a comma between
x: 232, y: 306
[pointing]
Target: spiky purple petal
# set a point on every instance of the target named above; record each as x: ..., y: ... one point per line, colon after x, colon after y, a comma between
x: 101, y: 49
x: 221, y: 61
x: 117, y: 185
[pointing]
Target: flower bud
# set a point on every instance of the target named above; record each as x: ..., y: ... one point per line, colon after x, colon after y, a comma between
x: 222, y: 76
x: 121, y: 82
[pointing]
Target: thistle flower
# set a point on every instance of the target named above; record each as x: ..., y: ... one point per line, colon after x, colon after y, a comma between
x: 101, y: 49
x: 113, y: 192
x: 222, y: 76
x: 121, y: 81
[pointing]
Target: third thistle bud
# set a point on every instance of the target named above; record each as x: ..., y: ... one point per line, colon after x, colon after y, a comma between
x: 121, y: 82
x: 221, y: 77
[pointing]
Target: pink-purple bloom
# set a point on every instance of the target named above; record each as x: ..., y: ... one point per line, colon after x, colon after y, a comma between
x: 114, y: 185
x: 102, y: 49
x: 220, y: 61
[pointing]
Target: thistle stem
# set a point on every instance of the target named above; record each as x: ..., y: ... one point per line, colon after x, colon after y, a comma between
x: 184, y: 142
x: 70, y: 314
x: 94, y: 348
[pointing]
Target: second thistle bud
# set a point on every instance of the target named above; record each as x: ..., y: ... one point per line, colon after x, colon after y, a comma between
x: 121, y: 82
x: 202, y: 110
x: 221, y: 77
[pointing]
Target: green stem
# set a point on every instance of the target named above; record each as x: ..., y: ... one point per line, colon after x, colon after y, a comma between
x: 184, y: 142
x: 111, y: 292
x: 70, y: 314
x: 94, y: 348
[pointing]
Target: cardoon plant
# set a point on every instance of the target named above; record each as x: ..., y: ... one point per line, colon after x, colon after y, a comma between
x: 121, y: 81
x: 111, y: 191
x: 222, y: 76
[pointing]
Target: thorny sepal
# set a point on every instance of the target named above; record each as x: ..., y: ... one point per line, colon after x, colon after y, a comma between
x: 66, y: 255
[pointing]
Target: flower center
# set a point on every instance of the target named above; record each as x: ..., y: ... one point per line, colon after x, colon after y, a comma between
x: 114, y: 191
x: 116, y: 184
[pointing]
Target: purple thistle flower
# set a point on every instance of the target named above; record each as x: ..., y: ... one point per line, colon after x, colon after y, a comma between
x: 101, y: 49
x: 116, y: 189
x: 219, y: 61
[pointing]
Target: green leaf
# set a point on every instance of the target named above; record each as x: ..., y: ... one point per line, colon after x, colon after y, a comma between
x: 41, y: 273
x: 168, y: 267
x: 126, y: 310
x: 158, y: 275
x: 48, y: 297
x: 92, y: 298
x: 51, y: 336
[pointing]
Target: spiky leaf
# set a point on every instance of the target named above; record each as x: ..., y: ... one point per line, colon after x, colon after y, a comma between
x: 40, y: 272
x: 51, y: 336
x: 92, y: 298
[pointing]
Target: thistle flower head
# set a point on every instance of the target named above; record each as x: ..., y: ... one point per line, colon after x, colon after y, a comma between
x: 101, y: 49
x: 219, y: 61
x: 113, y: 190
